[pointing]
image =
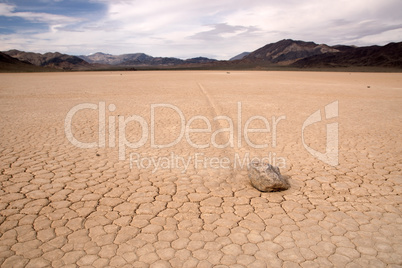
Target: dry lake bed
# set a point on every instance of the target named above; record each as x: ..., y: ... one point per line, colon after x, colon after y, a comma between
x: 149, y: 169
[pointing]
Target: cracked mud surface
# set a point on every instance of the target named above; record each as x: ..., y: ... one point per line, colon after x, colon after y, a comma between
x: 64, y: 206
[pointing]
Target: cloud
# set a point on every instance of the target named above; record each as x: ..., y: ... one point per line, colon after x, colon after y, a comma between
x: 224, y: 31
x: 9, y: 11
x: 189, y: 28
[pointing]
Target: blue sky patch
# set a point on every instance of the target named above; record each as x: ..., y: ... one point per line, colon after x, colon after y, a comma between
x: 73, y: 8
x: 9, y: 25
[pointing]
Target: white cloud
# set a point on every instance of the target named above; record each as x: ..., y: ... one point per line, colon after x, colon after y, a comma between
x: 221, y: 29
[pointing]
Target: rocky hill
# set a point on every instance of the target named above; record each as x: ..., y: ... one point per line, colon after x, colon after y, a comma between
x: 52, y: 60
x: 10, y: 64
x: 286, y: 52
x: 372, y: 56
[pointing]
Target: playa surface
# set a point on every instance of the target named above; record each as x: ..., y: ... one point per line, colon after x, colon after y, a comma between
x: 139, y: 169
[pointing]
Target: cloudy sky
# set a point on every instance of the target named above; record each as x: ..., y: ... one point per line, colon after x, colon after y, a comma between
x: 188, y: 28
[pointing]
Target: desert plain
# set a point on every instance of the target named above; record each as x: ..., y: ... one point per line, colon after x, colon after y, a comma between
x: 149, y: 169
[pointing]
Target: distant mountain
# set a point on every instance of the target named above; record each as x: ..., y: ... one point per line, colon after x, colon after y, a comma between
x: 240, y: 56
x: 286, y: 52
x: 102, y: 58
x: 343, y: 48
x: 8, y: 63
x: 282, y: 54
x: 372, y: 56
x: 53, y: 60
x: 199, y: 60
x: 140, y: 59
x: 99, y: 57
x: 145, y: 60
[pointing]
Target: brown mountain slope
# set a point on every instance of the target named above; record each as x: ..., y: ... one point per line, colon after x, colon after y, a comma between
x: 10, y: 64
x: 373, y: 56
x: 286, y: 52
x: 52, y: 60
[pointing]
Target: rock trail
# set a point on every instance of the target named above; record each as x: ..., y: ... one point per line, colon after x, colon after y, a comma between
x: 63, y: 206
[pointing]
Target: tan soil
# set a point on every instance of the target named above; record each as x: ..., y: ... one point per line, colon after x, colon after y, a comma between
x: 63, y: 206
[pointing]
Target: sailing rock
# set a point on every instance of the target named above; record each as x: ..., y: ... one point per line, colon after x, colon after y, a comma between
x: 267, y: 178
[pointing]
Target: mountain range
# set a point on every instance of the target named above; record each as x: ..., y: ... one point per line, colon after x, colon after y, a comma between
x: 52, y: 60
x: 286, y: 53
x: 10, y: 64
x: 140, y: 59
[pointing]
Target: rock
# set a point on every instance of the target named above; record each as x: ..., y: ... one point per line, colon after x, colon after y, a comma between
x: 266, y: 177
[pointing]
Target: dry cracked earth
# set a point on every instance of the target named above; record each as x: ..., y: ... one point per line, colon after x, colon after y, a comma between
x: 113, y: 205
